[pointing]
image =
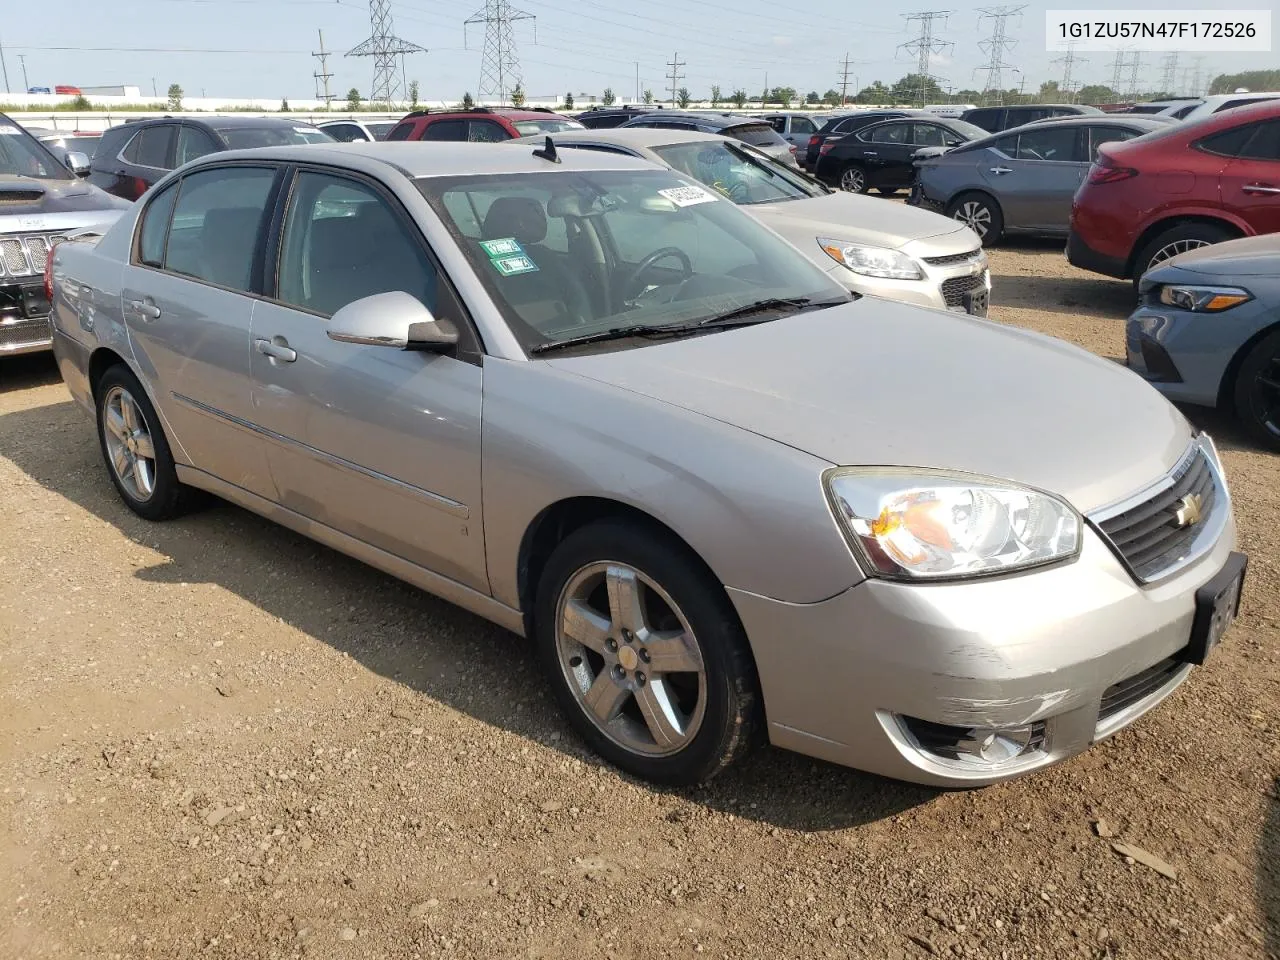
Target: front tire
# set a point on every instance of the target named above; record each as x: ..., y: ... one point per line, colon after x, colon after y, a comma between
x: 853, y: 179
x: 645, y: 654
x: 888, y: 191
x: 1257, y: 391
x: 135, y: 448
x: 980, y: 213
x: 1174, y: 241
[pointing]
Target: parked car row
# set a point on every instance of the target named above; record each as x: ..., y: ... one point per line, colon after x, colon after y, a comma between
x: 588, y: 397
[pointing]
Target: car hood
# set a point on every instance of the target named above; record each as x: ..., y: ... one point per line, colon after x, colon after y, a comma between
x: 863, y: 219
x: 881, y: 383
x: 39, y: 204
x: 1248, y: 257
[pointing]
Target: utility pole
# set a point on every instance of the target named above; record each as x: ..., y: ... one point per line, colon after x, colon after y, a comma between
x: 764, y: 97
x: 637, y: 81
x: 995, y: 47
x: 1134, y: 66
x: 925, y: 46
x: 1069, y: 61
x: 4, y: 67
x: 154, y: 93
x: 1169, y: 75
x: 675, y: 76
x: 323, y: 75
x: 22, y: 57
x: 844, y: 82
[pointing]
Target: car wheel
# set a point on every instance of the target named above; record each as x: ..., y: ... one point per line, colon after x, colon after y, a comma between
x: 645, y: 654
x: 1257, y: 391
x: 135, y: 448
x: 888, y: 191
x: 981, y: 213
x: 1174, y: 241
x: 854, y: 179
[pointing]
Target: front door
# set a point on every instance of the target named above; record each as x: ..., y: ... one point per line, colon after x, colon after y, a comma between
x: 1036, y: 180
x: 380, y: 444
x: 187, y: 301
x: 888, y: 154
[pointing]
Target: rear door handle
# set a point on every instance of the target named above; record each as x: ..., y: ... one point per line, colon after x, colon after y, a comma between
x: 1260, y: 188
x: 277, y: 351
x: 1000, y: 170
x: 870, y: 153
x: 145, y: 308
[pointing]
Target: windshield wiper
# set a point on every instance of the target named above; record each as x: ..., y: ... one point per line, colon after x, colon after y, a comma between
x: 770, y: 303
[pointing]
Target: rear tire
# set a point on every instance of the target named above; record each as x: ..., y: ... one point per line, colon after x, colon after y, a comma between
x: 668, y: 694
x: 981, y: 213
x: 1257, y: 391
x: 853, y: 179
x: 1176, y: 240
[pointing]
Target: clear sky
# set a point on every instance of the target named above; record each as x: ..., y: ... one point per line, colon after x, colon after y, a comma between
x: 261, y: 48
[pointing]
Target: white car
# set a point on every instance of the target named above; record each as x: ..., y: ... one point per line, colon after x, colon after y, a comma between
x: 357, y: 131
x: 871, y: 246
x: 1202, y: 107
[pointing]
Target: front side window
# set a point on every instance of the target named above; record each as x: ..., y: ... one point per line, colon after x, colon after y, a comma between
x: 275, y: 135
x: 216, y: 223
x: 1048, y: 143
x: 1265, y: 142
x: 802, y: 125
x: 888, y: 133
x: 645, y: 248
x: 155, y: 227
x: 343, y: 242
x: 779, y: 124
x: 741, y: 175
x: 192, y: 143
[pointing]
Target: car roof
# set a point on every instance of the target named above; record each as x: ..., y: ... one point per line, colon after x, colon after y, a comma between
x: 638, y: 137
x: 1096, y: 120
x: 710, y: 119
x: 511, y: 113
x: 414, y: 158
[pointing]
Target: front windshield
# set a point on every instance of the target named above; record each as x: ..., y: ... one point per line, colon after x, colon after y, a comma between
x: 552, y: 125
x: 21, y: 155
x: 741, y: 175
x: 570, y: 254
x: 275, y: 135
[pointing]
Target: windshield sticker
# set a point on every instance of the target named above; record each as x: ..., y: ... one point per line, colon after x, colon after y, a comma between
x: 687, y: 196
x: 505, y: 247
x: 9, y: 130
x: 511, y: 266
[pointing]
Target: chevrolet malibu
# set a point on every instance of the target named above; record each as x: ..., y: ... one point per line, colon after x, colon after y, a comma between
x: 595, y: 402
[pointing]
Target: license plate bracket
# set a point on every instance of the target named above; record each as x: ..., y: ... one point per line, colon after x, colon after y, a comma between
x: 976, y: 303
x: 1217, y: 604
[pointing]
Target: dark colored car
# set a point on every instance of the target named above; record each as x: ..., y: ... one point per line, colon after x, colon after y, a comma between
x: 995, y: 119
x: 481, y: 124
x: 134, y: 155
x: 845, y: 124
x: 600, y: 118
x: 750, y: 130
x: 1021, y: 180
x: 881, y: 155
x: 1182, y: 187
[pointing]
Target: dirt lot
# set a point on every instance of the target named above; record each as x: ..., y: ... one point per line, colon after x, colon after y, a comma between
x: 219, y: 739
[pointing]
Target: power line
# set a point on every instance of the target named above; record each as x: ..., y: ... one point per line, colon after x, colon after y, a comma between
x: 1069, y: 61
x: 675, y: 76
x: 924, y: 46
x: 995, y: 47
x: 323, y: 74
x: 500, y: 63
x: 384, y: 46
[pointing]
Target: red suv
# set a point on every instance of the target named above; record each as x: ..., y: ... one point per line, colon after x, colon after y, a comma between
x: 1170, y: 191
x: 480, y: 124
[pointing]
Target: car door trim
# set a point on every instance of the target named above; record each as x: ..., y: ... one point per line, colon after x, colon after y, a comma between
x: 441, y: 502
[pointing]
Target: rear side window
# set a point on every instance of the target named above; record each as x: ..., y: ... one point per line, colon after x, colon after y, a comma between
x: 486, y: 131
x: 1100, y: 135
x: 1050, y: 143
x: 1265, y: 142
x: 401, y: 132
x: 756, y: 134
x: 1228, y: 143
x: 150, y: 148
x: 155, y: 227
x: 888, y: 133
x: 216, y: 221
x: 1244, y: 102
x: 446, y: 130
x: 986, y: 119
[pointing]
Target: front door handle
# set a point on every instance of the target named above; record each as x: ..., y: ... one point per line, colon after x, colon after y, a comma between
x: 1260, y: 188
x: 145, y: 308
x: 870, y: 153
x: 1001, y: 170
x: 277, y: 348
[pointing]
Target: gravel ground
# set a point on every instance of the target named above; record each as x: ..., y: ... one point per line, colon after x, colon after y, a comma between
x: 218, y: 739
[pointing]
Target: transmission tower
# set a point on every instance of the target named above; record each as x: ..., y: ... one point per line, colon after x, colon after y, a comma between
x: 1117, y: 72
x: 1196, y: 89
x: 1069, y: 61
x: 500, y: 66
x: 1135, y: 65
x: 323, y: 75
x: 924, y: 46
x: 384, y: 46
x: 995, y: 47
x: 1169, y: 74
x: 844, y: 82
x: 675, y: 76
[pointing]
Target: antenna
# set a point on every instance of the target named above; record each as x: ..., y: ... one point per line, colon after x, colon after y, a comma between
x: 995, y: 47
x: 924, y: 46
x: 1068, y: 61
x: 323, y: 74
x: 500, y: 63
x: 384, y: 46
x: 675, y: 76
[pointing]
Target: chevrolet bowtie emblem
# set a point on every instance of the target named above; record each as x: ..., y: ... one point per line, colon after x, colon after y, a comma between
x: 1189, y: 510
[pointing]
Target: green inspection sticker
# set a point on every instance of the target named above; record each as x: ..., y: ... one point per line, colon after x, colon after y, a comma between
x: 505, y: 247
x: 510, y: 266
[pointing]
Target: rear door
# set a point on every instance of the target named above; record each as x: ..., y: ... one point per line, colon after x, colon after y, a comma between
x: 1250, y: 182
x: 1037, y: 182
x: 188, y: 293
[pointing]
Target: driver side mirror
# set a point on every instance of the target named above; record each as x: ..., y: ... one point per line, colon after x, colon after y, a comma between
x: 78, y: 163
x: 393, y: 319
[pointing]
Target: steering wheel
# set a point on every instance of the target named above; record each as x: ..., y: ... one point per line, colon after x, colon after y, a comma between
x: 735, y: 190
x: 630, y: 287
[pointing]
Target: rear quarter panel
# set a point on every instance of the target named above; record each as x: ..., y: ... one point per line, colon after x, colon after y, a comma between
x: 86, y: 313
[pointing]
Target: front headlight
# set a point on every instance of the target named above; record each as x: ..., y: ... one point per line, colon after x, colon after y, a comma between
x: 926, y: 525
x: 871, y: 261
x: 1203, y: 299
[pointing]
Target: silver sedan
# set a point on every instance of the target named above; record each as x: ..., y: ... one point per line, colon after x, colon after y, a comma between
x: 595, y: 402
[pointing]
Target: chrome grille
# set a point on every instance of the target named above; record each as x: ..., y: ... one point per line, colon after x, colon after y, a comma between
x: 1124, y: 694
x: 38, y: 250
x: 1149, y: 537
x: 952, y: 258
x: 15, y: 258
x: 26, y: 256
x: 24, y: 333
x: 954, y: 288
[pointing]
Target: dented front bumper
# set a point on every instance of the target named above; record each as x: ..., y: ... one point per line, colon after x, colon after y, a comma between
x: 1040, y: 649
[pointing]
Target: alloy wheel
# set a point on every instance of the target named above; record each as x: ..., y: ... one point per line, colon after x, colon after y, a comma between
x: 1265, y: 399
x: 130, y: 449
x: 975, y: 215
x: 1170, y: 250
x: 853, y: 180
x: 631, y: 659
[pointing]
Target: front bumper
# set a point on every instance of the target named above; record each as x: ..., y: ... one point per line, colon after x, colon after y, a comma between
x: 1045, y: 646
x: 24, y: 317
x: 955, y: 287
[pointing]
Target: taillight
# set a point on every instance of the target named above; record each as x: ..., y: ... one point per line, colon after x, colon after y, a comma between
x: 1106, y: 171
x: 825, y: 148
x: 813, y: 141
x: 48, y: 273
